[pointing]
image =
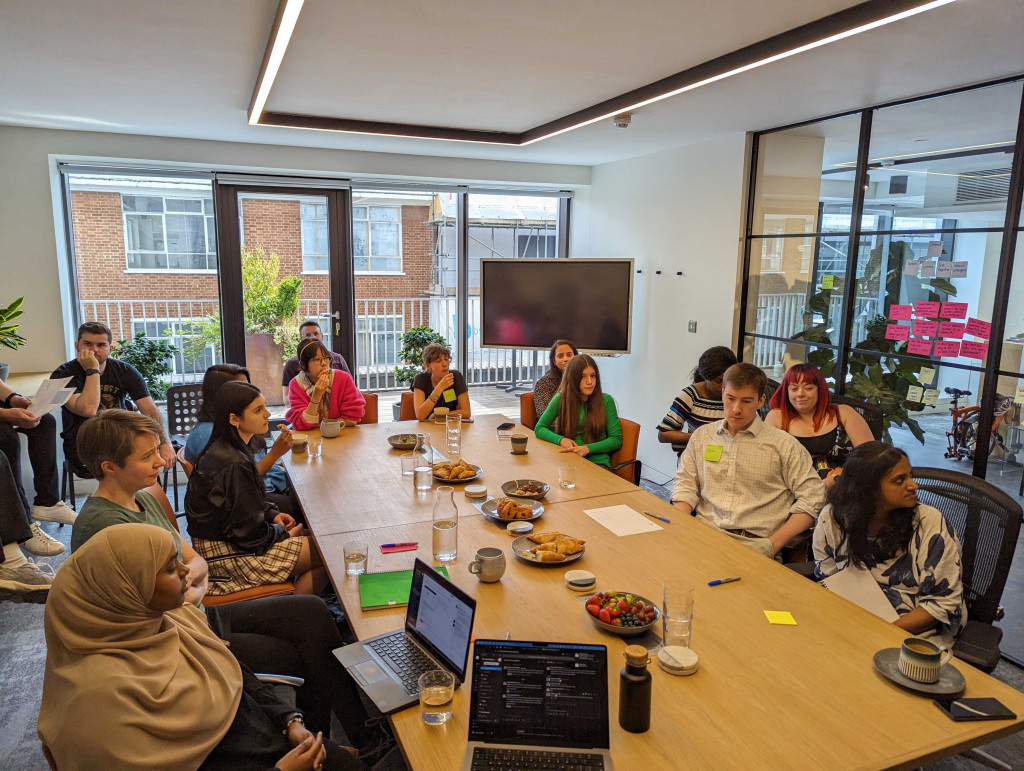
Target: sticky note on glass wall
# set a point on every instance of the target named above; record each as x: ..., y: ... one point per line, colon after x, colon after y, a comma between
x: 897, y: 332
x: 920, y: 347
x: 1018, y: 397
x: 973, y: 350
x: 943, y: 269
x: 954, y: 310
x: 900, y: 312
x: 926, y: 328
x: 911, y: 267
x: 927, y: 269
x: 960, y: 269
x: 926, y: 308
x: 828, y: 282
x: 934, y: 248
x: 952, y: 329
x: 979, y: 328
x: 947, y: 348
x: 914, y: 394
x: 926, y: 376
x: 931, y: 396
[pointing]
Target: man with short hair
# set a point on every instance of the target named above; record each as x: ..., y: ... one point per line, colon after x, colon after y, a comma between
x: 41, y: 433
x: 752, y: 481
x: 309, y: 330
x: 102, y: 383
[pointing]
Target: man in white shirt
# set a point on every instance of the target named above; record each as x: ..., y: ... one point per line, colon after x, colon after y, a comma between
x: 753, y: 481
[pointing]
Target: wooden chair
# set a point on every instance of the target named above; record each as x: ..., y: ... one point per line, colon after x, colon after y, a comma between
x: 370, y: 416
x: 527, y: 410
x: 624, y: 461
x: 407, y: 411
x: 212, y: 600
x: 184, y: 462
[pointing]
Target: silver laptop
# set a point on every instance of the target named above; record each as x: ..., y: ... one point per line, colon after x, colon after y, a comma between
x: 438, y: 626
x: 537, y: 705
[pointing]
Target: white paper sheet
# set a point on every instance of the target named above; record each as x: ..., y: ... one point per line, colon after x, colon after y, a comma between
x: 622, y: 520
x: 51, y: 395
x: 859, y: 586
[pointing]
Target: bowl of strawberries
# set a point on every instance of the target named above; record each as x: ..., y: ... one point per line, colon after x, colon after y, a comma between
x: 622, y: 613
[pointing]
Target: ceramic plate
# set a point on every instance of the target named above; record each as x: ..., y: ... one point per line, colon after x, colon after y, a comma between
x: 490, y: 509
x: 444, y: 481
x: 887, y: 664
x: 402, y: 441
x: 510, y: 488
x: 521, y: 547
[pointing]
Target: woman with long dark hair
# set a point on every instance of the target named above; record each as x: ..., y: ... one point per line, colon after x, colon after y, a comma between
x: 581, y: 419
x: 320, y: 393
x: 700, y: 402
x: 227, y: 509
x: 547, y: 386
x: 873, y: 521
x: 802, y: 407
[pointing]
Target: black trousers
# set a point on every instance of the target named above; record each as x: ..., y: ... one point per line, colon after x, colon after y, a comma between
x: 294, y: 635
x: 14, y: 526
x: 42, y: 456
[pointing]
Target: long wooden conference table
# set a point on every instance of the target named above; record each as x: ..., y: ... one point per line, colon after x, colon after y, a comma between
x: 765, y: 696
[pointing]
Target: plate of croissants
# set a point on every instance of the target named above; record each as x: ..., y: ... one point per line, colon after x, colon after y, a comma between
x: 548, y: 548
x: 508, y: 509
x: 460, y: 471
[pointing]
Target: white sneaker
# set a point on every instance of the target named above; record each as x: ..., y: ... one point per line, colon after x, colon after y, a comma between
x: 58, y: 512
x: 41, y: 544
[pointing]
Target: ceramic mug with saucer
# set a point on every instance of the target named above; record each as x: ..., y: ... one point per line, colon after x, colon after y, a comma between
x: 922, y: 660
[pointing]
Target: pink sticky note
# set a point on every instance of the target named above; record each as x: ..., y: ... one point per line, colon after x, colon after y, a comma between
x: 926, y: 328
x: 897, y: 332
x: 920, y: 347
x: 951, y: 329
x: 973, y: 350
x: 900, y: 312
x: 947, y: 348
x: 979, y: 328
x: 926, y: 308
x: 954, y: 310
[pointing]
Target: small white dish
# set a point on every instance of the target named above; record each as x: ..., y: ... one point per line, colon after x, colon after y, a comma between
x: 519, y: 527
x: 677, y: 660
x: 476, y: 491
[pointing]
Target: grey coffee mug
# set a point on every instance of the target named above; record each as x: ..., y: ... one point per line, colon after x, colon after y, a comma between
x: 488, y: 565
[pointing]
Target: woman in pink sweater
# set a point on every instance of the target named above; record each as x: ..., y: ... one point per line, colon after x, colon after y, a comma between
x: 319, y: 393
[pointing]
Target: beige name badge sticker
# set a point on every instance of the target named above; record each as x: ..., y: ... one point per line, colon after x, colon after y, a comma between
x: 713, y: 453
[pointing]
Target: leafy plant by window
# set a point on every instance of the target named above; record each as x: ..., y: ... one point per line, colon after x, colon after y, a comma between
x: 152, y: 358
x: 9, y: 337
x: 413, y: 343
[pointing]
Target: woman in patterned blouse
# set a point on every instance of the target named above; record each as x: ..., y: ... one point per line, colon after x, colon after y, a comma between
x: 547, y: 386
x: 873, y: 521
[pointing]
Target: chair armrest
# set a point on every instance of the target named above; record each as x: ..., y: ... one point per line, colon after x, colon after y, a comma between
x: 295, y: 682
x: 978, y: 645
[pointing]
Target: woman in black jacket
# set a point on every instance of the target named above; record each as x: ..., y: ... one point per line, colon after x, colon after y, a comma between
x: 246, y: 539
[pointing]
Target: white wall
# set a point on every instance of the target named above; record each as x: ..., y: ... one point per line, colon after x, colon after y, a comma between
x: 32, y: 250
x: 679, y: 210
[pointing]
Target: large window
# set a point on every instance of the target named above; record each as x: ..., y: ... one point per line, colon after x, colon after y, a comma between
x: 377, y: 238
x: 314, y: 235
x: 164, y: 233
x: 188, y: 362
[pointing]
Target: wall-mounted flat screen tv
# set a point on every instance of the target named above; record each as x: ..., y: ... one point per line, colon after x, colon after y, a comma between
x: 532, y: 303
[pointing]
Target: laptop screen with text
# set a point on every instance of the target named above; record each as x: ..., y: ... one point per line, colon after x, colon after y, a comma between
x: 440, y: 616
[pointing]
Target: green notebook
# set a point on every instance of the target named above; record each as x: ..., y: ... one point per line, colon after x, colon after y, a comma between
x: 388, y: 590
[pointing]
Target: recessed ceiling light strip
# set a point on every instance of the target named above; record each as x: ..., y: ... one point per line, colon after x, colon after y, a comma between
x: 280, y: 35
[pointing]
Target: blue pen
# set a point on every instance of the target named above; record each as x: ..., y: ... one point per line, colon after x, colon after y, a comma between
x: 718, y: 581
x: 657, y: 516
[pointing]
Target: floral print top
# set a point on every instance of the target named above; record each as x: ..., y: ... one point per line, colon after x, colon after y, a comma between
x: 927, y: 574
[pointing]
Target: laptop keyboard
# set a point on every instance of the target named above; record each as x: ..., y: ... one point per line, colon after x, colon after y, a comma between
x: 488, y: 759
x: 405, y: 659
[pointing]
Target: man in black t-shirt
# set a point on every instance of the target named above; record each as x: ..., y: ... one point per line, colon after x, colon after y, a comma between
x: 102, y: 383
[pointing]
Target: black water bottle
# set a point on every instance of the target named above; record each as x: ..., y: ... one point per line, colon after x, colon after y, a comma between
x: 635, y: 691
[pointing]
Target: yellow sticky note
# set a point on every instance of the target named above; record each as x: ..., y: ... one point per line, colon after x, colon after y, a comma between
x: 783, y: 617
x: 713, y: 453
x: 449, y: 395
x: 1018, y: 397
x: 926, y: 376
x: 828, y: 282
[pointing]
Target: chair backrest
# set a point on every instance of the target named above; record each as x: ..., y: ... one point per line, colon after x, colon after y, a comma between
x: 407, y: 410
x: 161, y: 497
x: 987, y: 521
x: 871, y: 413
x: 183, y: 403
x: 527, y: 410
x: 370, y: 416
x: 185, y: 464
x: 624, y: 458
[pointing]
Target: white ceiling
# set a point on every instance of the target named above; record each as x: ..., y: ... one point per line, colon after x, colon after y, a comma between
x: 187, y: 68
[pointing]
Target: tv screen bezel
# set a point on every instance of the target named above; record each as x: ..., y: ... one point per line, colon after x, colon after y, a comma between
x: 628, y: 261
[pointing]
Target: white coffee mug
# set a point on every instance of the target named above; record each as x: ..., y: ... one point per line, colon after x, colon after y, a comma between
x: 330, y: 428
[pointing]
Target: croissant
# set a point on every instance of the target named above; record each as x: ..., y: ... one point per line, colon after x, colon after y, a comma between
x: 549, y: 556
x: 543, y: 537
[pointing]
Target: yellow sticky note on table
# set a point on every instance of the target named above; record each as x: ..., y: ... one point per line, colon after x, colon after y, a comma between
x: 828, y: 282
x: 783, y: 617
x: 713, y: 453
x: 449, y: 395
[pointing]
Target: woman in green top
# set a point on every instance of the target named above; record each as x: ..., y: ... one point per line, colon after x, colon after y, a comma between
x: 581, y: 419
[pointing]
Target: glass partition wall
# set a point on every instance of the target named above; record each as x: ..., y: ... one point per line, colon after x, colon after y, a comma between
x: 881, y: 246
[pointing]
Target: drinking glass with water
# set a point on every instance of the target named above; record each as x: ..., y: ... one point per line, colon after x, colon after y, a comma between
x: 437, y: 690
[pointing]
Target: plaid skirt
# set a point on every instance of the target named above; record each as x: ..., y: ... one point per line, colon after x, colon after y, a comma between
x: 244, y: 571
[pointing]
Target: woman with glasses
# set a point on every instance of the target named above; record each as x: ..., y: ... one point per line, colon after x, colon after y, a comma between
x: 320, y: 393
x: 439, y: 386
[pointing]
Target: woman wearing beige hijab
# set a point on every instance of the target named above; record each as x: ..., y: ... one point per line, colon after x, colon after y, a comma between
x: 136, y: 680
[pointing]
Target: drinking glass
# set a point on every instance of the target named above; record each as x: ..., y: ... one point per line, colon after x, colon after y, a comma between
x: 677, y: 613
x: 314, y: 446
x: 567, y: 476
x: 437, y: 690
x: 454, y: 436
x: 355, y: 557
x: 408, y: 464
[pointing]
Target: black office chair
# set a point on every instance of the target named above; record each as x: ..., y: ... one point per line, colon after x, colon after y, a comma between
x: 871, y: 413
x: 183, y: 403
x: 987, y: 521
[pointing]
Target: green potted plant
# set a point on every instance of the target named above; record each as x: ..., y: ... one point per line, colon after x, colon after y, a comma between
x: 152, y: 358
x: 411, y: 356
x: 9, y: 337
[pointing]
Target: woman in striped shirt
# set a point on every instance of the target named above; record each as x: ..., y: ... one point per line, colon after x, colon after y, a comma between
x: 700, y: 402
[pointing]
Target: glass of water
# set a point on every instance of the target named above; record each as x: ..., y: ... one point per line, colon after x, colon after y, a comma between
x: 422, y: 474
x: 437, y: 690
x: 567, y: 476
x: 408, y: 464
x: 445, y: 520
x: 677, y: 613
x: 355, y: 557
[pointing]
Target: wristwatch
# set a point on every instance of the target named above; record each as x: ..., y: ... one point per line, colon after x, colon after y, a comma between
x: 92, y: 371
